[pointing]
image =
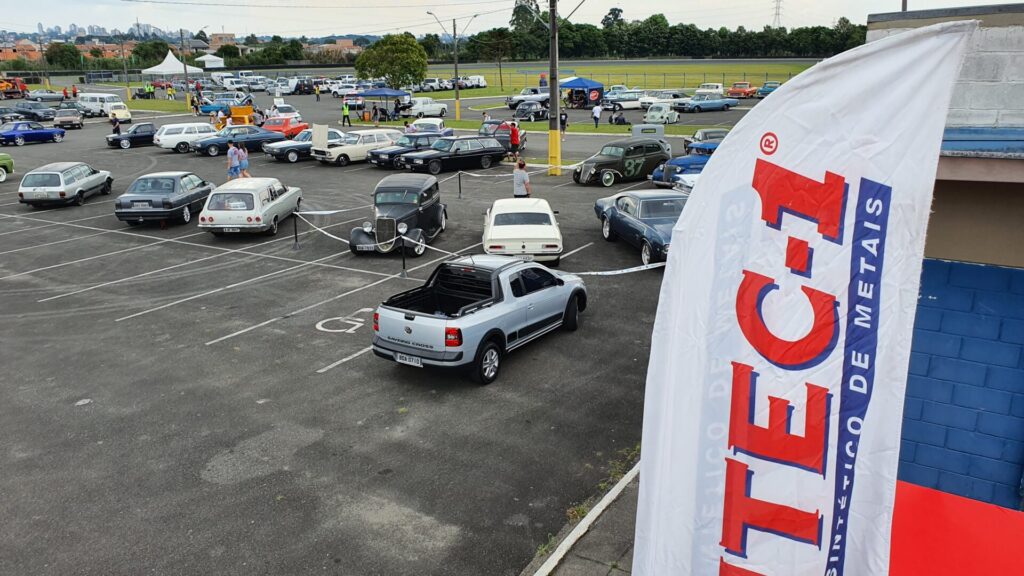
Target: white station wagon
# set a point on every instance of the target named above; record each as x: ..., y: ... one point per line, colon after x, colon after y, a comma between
x: 523, y: 228
x: 177, y: 137
x: 249, y: 205
x: 356, y: 145
x: 423, y: 106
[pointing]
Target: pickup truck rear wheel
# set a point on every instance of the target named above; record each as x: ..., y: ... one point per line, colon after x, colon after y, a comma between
x: 571, y: 318
x: 487, y: 363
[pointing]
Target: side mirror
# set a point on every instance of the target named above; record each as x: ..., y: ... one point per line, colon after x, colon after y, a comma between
x: 559, y: 281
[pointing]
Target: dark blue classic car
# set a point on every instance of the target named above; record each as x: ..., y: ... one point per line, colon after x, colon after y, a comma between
x: 391, y: 156
x: 251, y: 137
x: 18, y: 133
x: 163, y: 196
x: 665, y: 175
x: 300, y: 147
x: 643, y: 218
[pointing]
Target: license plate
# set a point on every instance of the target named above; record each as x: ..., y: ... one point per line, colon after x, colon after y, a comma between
x: 40, y: 195
x: 373, y: 160
x: 140, y: 205
x: 526, y: 257
x: 365, y: 248
x: 408, y: 360
x: 232, y: 229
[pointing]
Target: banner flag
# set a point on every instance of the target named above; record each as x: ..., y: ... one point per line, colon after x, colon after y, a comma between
x: 779, y: 354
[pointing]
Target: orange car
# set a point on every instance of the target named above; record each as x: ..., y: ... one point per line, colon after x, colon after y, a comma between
x: 741, y: 90
x: 287, y: 126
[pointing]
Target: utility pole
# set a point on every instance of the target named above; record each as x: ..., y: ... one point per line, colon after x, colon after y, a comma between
x: 455, y: 43
x: 904, y: 5
x: 188, y: 95
x: 554, y: 137
x: 124, y: 68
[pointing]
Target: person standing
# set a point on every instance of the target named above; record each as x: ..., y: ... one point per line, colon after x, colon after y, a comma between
x: 316, y: 90
x: 243, y: 161
x: 486, y: 116
x: 233, y: 161
x: 398, y: 107
x: 115, y: 124
x: 521, y: 181
x: 563, y: 123
x: 513, y: 140
x: 345, y: 119
x: 65, y: 93
x: 375, y: 115
x: 74, y: 91
x: 597, y: 114
x: 170, y: 92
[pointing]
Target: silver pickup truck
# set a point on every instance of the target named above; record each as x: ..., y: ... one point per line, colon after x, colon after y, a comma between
x: 540, y: 95
x: 474, y: 310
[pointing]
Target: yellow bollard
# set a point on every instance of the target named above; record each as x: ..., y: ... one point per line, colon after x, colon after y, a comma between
x: 554, y: 153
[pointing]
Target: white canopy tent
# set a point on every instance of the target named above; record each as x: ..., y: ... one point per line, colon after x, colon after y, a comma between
x: 170, y: 65
x: 211, y: 61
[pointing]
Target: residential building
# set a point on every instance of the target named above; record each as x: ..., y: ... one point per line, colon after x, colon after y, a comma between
x: 219, y: 39
x: 21, y: 49
x: 341, y: 45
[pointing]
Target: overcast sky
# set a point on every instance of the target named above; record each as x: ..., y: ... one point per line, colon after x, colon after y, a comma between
x: 323, y: 17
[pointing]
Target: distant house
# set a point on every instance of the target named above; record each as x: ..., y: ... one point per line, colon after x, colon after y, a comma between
x: 21, y: 49
x: 219, y: 39
x: 196, y: 46
x: 341, y: 45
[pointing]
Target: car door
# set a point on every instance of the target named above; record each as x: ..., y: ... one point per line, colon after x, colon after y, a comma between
x: 142, y: 135
x: 459, y: 157
x: 653, y: 155
x: 542, y: 299
x: 626, y: 224
x: 474, y: 152
x: 94, y: 180
x: 34, y: 132
x: 430, y: 206
x: 633, y: 162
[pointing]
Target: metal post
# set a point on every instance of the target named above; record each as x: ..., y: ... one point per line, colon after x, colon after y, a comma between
x: 460, y: 184
x: 188, y: 95
x: 904, y: 5
x: 295, y: 228
x: 458, y: 107
x: 404, y: 274
x: 554, y: 136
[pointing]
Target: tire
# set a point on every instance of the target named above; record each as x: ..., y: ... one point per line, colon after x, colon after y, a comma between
x: 417, y: 250
x: 212, y: 150
x: 39, y: 99
x: 571, y: 316
x: 725, y: 108
x: 696, y: 109
x: 342, y: 160
x: 647, y: 255
x: 186, y: 215
x: 532, y: 118
x: 3, y: 174
x: 292, y: 156
x: 272, y: 231
x: 58, y: 137
x: 576, y: 176
x: 79, y: 199
x: 396, y: 163
x: 443, y: 224
x: 487, y: 364
x: 443, y: 112
x: 606, y: 230
x: 181, y: 147
x: 485, y: 162
x: 125, y: 144
x: 616, y: 107
x: 608, y: 178
x: 419, y: 114
x: 434, y: 167
x: 105, y: 189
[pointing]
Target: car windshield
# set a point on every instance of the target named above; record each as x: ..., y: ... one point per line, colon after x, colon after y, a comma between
x: 406, y: 141
x: 304, y: 136
x: 230, y: 201
x: 274, y: 122
x: 152, y: 186
x: 522, y: 219
x: 7, y: 127
x: 285, y: 109
x: 443, y: 145
x: 41, y: 181
x: 395, y: 197
x: 616, y: 151
x: 668, y: 208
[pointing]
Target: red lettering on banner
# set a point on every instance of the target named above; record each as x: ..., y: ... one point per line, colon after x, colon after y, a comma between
x: 781, y: 189
x: 775, y: 442
x: 785, y: 353
x: 741, y: 512
x: 726, y: 569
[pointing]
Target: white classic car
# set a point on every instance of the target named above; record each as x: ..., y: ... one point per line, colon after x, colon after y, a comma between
x: 422, y: 106
x: 712, y: 88
x: 249, y: 205
x: 661, y: 113
x: 355, y: 146
x: 433, y: 125
x: 178, y: 137
x: 523, y: 228
x: 669, y: 97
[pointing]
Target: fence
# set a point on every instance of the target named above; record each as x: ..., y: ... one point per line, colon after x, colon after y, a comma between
x: 645, y: 80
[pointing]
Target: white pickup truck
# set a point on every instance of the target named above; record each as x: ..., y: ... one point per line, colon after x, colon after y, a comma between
x: 474, y: 310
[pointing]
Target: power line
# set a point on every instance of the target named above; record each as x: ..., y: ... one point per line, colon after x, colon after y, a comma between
x: 777, y: 20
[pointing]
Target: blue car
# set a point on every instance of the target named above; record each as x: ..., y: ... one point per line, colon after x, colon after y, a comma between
x: 18, y: 133
x: 666, y: 175
x: 707, y: 102
x: 251, y: 137
x: 643, y: 219
x: 225, y: 104
x: 768, y: 88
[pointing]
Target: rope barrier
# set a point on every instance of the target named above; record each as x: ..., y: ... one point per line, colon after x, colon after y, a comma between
x: 622, y: 271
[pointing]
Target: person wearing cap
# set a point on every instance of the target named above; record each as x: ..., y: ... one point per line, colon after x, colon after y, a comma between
x: 521, y: 181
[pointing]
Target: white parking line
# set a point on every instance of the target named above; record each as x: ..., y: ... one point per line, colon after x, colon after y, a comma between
x: 90, y: 203
x: 564, y: 184
x: 571, y: 252
x: 52, y: 224
x: 52, y: 243
x: 345, y: 359
x: 328, y: 300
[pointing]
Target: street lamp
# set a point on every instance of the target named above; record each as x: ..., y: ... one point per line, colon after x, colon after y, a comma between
x: 455, y: 43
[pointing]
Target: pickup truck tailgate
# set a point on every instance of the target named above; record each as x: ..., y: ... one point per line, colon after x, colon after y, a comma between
x: 411, y: 332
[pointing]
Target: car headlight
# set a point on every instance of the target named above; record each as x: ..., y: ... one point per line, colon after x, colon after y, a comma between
x: 403, y: 228
x: 419, y: 160
x: 367, y: 227
x: 661, y: 167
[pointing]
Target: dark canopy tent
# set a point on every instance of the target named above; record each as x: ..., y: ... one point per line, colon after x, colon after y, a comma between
x: 384, y: 94
x: 583, y: 92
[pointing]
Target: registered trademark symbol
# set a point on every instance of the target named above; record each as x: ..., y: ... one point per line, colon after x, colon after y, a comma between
x: 769, y: 143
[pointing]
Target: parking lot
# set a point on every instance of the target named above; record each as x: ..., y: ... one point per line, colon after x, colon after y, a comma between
x: 175, y: 403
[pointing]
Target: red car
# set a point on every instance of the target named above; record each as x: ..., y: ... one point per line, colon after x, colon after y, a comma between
x: 287, y: 126
x: 741, y: 90
x: 161, y: 84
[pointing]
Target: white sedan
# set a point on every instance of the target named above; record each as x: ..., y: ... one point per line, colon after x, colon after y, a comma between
x: 523, y: 228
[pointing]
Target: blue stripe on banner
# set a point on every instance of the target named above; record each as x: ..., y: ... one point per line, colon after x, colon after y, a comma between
x: 862, y: 315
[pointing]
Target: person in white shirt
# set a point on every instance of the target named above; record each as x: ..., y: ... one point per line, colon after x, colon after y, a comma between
x: 597, y: 114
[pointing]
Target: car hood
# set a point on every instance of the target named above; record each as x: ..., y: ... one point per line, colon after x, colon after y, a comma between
x: 535, y: 232
x: 396, y: 211
x: 601, y: 160
x: 690, y: 160
x: 389, y: 150
x: 289, y: 145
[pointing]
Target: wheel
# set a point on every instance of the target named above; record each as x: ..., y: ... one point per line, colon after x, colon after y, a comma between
x: 419, y: 114
x: 79, y: 199
x: 186, y: 215
x: 443, y: 223
x: 396, y: 162
x: 105, y: 189
x: 126, y: 144
x: 342, y: 160
x: 485, y: 162
x: 606, y: 230
x: 272, y: 231
x: 443, y: 112
x: 3, y: 174
x: 616, y: 107
x: 533, y: 118
x: 58, y: 137
x: 293, y: 156
x: 418, y: 248
x: 608, y: 178
x: 181, y: 147
x: 571, y: 317
x: 725, y: 108
x: 434, y: 167
x: 576, y: 176
x: 487, y: 363
x: 39, y: 99
x: 212, y: 150
x: 646, y: 253
x: 696, y: 109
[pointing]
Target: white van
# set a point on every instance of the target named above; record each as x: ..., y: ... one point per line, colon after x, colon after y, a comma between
x: 477, y: 81
x: 236, y: 84
x: 219, y: 77
x: 96, y: 102
x: 177, y: 137
x: 245, y: 73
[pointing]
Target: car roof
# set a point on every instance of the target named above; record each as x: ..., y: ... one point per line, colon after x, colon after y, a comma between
x: 657, y: 194
x: 631, y: 141
x: 521, y: 205
x: 167, y: 174
x: 247, y: 184
x: 420, y: 181
x: 57, y: 166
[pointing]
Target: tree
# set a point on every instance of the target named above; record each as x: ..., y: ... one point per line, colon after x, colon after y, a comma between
x: 251, y: 40
x: 96, y: 52
x: 228, y: 51
x: 150, y: 51
x: 292, y: 50
x: 362, y: 42
x: 613, y: 18
x: 431, y: 45
x: 201, y: 35
x: 63, y: 55
x: 494, y: 44
x: 275, y: 39
x: 398, y: 58
x: 524, y: 15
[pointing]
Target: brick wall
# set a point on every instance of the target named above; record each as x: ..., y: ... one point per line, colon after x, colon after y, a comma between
x: 963, y: 423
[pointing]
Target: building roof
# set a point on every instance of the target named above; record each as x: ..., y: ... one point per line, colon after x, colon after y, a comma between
x: 963, y: 12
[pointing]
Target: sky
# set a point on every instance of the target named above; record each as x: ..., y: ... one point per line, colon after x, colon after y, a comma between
x: 324, y: 17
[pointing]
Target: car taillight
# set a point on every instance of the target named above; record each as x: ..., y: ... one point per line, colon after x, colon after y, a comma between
x: 248, y: 218
x: 550, y: 246
x: 209, y: 218
x: 258, y: 219
x: 452, y: 337
x: 20, y: 195
x: 63, y: 194
x: 202, y: 218
x: 495, y: 247
x: 376, y: 321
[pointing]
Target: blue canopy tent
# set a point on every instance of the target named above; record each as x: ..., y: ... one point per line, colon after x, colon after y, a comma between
x: 583, y: 92
x: 385, y: 94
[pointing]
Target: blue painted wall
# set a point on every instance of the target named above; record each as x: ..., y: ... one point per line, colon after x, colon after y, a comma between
x: 963, y: 423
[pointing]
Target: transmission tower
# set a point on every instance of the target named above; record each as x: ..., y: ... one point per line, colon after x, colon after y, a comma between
x: 777, y: 20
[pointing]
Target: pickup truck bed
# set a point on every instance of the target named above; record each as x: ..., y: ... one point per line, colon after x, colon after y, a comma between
x: 453, y: 292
